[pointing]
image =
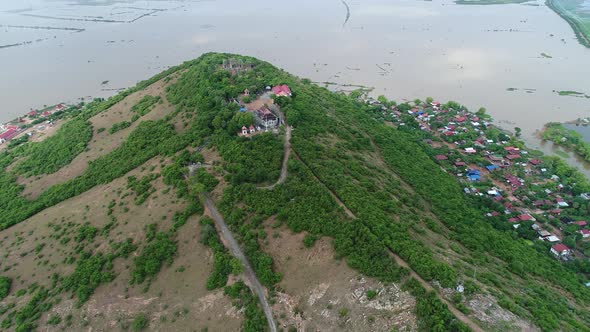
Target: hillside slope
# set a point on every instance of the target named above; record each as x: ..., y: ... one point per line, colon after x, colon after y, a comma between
x: 366, y: 233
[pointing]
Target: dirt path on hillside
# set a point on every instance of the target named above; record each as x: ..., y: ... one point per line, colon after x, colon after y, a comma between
x: 286, y: 153
x: 236, y: 251
x: 336, y: 198
x: 458, y: 314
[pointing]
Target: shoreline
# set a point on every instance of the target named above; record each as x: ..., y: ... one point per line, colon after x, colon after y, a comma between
x: 580, y: 35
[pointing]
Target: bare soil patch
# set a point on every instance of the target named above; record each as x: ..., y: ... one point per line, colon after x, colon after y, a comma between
x: 320, y: 293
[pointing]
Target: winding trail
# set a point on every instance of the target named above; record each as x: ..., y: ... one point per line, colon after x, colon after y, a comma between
x: 230, y: 242
x: 236, y: 251
x: 286, y: 153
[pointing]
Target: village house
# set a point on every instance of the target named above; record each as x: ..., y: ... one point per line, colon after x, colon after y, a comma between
x: 473, y: 175
x: 560, y: 250
x: 512, y: 156
x: 470, y: 150
x: 543, y: 233
x: 59, y: 107
x: 585, y: 233
x: 492, y: 168
x: 526, y: 217
x: 281, y: 90
x: 513, y: 181
x: 493, y: 158
x: 543, y: 202
x: 561, y: 203
x: 9, y: 133
x: 512, y: 150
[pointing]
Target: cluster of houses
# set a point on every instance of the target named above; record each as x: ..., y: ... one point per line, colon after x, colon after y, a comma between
x: 47, y: 112
x: 10, y: 131
x: 266, y: 114
x: 478, y: 156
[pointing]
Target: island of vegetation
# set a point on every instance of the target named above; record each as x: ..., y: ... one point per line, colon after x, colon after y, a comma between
x: 560, y: 135
x: 238, y: 196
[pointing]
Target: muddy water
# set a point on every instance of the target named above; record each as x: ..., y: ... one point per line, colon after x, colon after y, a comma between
x: 404, y: 49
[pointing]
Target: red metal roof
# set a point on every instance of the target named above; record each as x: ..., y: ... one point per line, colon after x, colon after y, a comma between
x: 560, y: 247
x: 281, y: 89
x: 10, y: 133
x: 525, y: 217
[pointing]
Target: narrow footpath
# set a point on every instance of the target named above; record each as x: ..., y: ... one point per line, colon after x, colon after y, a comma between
x: 458, y: 314
x: 229, y: 240
x: 286, y: 153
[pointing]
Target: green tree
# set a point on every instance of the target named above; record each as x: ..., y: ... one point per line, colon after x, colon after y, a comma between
x: 140, y: 322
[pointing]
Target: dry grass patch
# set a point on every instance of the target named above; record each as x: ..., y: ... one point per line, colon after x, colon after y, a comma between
x: 177, y: 298
x: 102, y: 143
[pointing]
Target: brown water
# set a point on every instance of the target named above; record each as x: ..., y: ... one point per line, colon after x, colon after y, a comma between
x: 404, y: 49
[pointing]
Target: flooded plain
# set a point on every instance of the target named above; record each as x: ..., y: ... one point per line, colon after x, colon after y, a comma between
x: 510, y: 59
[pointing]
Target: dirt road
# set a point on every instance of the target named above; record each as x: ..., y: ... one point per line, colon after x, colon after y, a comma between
x: 236, y: 251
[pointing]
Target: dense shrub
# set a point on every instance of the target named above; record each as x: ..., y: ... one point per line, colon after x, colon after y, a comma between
x: 58, y: 150
x: 5, y: 284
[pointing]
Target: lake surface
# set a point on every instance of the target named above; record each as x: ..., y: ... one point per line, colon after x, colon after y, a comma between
x: 404, y: 49
x: 580, y: 129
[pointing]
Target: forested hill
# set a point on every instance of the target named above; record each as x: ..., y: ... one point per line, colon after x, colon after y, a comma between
x: 388, y: 210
